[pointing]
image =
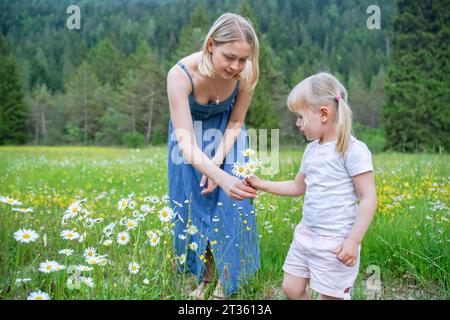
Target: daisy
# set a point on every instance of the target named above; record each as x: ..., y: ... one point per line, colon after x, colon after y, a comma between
x: 18, y: 280
x: 123, y: 203
x: 248, y: 152
x: 123, y: 238
x: 73, y: 209
x: 38, y: 295
x: 93, y: 260
x: 145, y: 281
x: 87, y: 281
x: 69, y: 235
x: 10, y: 201
x: 89, y: 252
x: 192, y: 230
x: 59, y: 267
x: 83, y: 268
x: 193, y: 246
x: 131, y: 224
x: 154, y: 240
x: 108, y: 230
x: 165, y: 214
x: 238, y: 169
x: 21, y: 210
x: 48, y: 266
x: 182, y: 258
x: 67, y: 252
x: 154, y: 200
x: 132, y: 204
x: 134, y: 267
x: 107, y: 242
x: 25, y: 235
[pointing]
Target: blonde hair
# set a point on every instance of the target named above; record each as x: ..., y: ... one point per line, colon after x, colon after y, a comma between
x: 323, y: 89
x: 231, y: 27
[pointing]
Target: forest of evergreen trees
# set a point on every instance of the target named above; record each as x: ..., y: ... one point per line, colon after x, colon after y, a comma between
x: 105, y: 84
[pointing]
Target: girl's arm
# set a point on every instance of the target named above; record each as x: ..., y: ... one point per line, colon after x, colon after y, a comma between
x: 178, y: 89
x: 295, y: 187
x: 364, y: 183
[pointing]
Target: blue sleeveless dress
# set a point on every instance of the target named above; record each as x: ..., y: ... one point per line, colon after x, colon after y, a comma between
x: 228, y: 226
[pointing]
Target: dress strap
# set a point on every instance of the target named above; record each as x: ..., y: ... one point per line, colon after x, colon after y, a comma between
x: 187, y: 72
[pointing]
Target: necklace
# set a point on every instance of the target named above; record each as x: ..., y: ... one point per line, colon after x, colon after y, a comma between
x: 216, y: 95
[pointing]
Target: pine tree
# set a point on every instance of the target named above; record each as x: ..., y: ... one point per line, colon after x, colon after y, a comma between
x: 416, y: 114
x: 13, y: 109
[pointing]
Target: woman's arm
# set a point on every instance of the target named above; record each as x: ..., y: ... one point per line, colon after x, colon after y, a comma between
x: 295, y: 187
x: 178, y: 89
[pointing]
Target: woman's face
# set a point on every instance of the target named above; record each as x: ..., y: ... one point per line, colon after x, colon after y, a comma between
x: 229, y: 59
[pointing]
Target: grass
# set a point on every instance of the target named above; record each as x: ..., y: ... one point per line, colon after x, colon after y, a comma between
x: 406, y: 246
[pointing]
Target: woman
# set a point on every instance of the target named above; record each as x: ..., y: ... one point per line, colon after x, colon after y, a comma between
x: 209, y: 93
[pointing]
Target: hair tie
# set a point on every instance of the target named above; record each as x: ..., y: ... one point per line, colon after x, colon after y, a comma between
x: 337, y: 98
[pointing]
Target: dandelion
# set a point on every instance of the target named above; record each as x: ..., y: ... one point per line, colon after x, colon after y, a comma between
x: 123, y: 238
x: 25, y: 235
x: 165, y: 214
x: 134, y: 267
x: 38, y: 295
x: 67, y: 252
x: 123, y: 203
x: 10, y: 201
x: 89, y: 252
x: 69, y: 235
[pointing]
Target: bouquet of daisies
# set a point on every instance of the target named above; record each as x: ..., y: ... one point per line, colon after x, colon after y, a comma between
x: 248, y: 168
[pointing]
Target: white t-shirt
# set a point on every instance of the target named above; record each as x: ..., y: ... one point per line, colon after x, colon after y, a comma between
x: 330, y: 206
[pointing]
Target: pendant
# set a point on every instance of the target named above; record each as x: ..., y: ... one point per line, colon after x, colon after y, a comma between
x: 217, y: 102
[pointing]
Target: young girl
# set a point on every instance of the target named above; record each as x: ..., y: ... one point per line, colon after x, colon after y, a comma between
x: 335, y: 172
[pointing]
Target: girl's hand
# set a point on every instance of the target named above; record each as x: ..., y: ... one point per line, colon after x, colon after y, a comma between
x: 347, y: 252
x: 211, y: 185
x: 255, y: 182
x: 236, y: 189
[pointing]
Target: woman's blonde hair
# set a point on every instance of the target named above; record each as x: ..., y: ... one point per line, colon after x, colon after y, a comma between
x: 231, y: 27
x: 323, y: 89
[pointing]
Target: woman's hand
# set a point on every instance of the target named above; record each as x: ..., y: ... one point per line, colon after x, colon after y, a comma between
x: 211, y: 185
x: 236, y: 189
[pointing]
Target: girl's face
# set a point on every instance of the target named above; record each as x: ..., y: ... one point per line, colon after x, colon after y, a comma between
x: 229, y: 59
x: 310, y: 124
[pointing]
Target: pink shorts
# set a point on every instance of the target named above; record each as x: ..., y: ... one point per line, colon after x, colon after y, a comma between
x: 311, y: 256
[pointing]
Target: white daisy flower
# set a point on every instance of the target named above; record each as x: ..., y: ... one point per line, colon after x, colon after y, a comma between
x: 131, y: 224
x: 10, y: 201
x: 59, y: 267
x: 21, y: 210
x: 69, y: 235
x: 93, y: 260
x: 154, y: 200
x: 145, y: 281
x: 192, y: 230
x: 88, y: 281
x: 19, y: 281
x: 123, y: 238
x: 48, y: 266
x: 193, y: 246
x: 25, y: 235
x: 165, y: 214
x: 154, y: 240
x: 182, y: 236
x: 238, y: 169
x: 107, y: 242
x: 89, y: 252
x: 73, y: 209
x: 108, y: 230
x: 67, y: 252
x: 83, y: 268
x: 134, y: 267
x: 132, y: 204
x: 123, y: 203
x: 38, y: 295
x: 248, y: 152
x: 182, y: 258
